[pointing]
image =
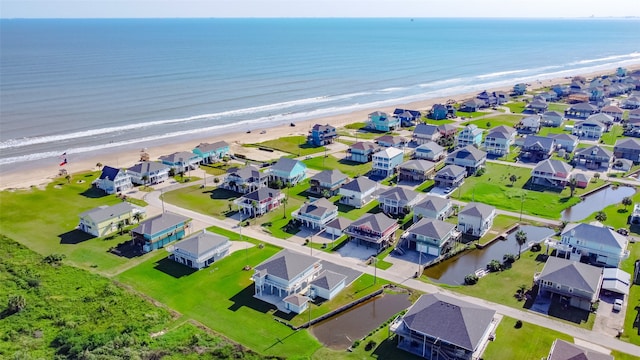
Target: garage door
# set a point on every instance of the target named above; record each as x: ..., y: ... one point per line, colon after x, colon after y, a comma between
x: 433, y: 251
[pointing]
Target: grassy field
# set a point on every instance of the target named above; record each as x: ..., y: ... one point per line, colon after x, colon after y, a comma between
x: 559, y: 107
x: 544, y: 131
x: 530, y: 342
x: 493, y: 121
x: 494, y: 188
x: 631, y: 327
x: 46, y: 221
x: 500, y: 224
x: 221, y: 298
x: 349, y: 168
x: 471, y: 115
x: 516, y: 107
x: 438, y: 122
x: 295, y: 145
x: 209, y: 200
x: 72, y: 313
x: 614, y: 134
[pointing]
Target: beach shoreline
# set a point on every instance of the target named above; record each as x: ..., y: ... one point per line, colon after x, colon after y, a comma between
x: 21, y: 179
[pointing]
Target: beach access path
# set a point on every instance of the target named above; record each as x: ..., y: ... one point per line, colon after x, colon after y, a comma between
x: 587, y: 336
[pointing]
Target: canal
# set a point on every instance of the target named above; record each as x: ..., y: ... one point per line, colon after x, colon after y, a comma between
x: 596, y: 202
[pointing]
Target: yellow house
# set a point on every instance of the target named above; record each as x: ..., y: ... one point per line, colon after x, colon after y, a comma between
x: 104, y: 220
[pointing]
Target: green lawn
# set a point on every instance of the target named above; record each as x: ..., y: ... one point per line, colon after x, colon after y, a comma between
x: 494, y: 188
x: 631, y: 327
x: 530, y: 342
x: 438, y: 122
x: 352, y: 213
x: 217, y: 168
x: 221, y: 298
x: 516, y: 107
x: 513, y: 154
x: 361, y: 135
x: 559, y: 107
x: 471, y: 115
x: 500, y: 224
x: 613, y: 135
x: 46, y: 221
x: 544, y: 131
x: 212, y: 201
x: 355, y: 126
x: 349, y: 168
x: 617, y: 215
x: 498, y: 120
x: 295, y: 145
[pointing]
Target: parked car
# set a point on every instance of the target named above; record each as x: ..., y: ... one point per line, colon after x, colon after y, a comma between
x: 617, y: 305
x: 623, y: 231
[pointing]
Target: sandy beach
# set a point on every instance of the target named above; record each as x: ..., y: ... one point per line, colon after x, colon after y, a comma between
x: 113, y: 157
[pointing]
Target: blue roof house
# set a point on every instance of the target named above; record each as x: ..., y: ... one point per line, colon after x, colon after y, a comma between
x: 155, y: 233
x: 407, y: 117
x: 287, y: 170
x: 381, y: 121
x: 211, y: 153
x: 438, y: 112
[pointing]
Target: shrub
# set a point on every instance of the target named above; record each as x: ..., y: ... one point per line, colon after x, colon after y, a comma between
x: 536, y: 247
x: 480, y: 172
x: 518, y: 324
x: 370, y: 345
x: 54, y: 259
x: 508, y: 258
x: 471, y: 279
x: 494, y: 266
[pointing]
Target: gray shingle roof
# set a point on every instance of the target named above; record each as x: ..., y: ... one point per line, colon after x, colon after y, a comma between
x: 399, y: 193
x: 563, y: 137
x: 285, y: 164
x: 296, y: 299
x: 451, y: 171
x: 452, y: 320
x: 201, y: 243
x: 262, y: 194
x: 181, y: 156
x: 430, y: 147
x: 584, y: 107
x: 377, y: 222
x: 339, y: 223
x: 562, y: 350
x: 426, y: 129
x: 594, y: 150
x: 247, y: 172
x: 419, y: 165
x: 318, y: 207
x: 146, y: 167
x: 433, y: 228
x: 434, y: 203
x: 501, y: 131
x: 103, y: 213
x: 328, y: 280
x: 596, y: 234
x: 552, y: 166
x: 546, y: 143
x: 161, y: 222
x: 573, y: 274
x: 360, y: 184
x: 630, y: 143
x: 329, y: 176
x: 468, y: 152
x: 477, y: 210
x: 206, y: 147
x: 364, y: 145
x: 287, y: 264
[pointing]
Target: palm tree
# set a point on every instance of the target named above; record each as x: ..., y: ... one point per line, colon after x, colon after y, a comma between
x: 601, y: 216
x: 16, y: 303
x: 513, y: 178
x: 144, y: 179
x: 521, y: 238
x: 137, y: 217
x: 254, y: 206
x: 626, y: 201
x: 596, y: 176
x: 284, y: 207
x: 572, y: 185
x: 120, y: 226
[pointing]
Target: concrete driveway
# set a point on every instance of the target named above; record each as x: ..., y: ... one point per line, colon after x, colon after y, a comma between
x: 609, y: 322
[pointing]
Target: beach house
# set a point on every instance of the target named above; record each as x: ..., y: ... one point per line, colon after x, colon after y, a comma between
x: 499, y: 140
x: 469, y: 157
x: 407, y: 117
x: 385, y: 162
x: 157, y: 232
x: 327, y: 183
x: 182, y: 161
x: 566, y: 142
x: 288, y: 171
x: 416, y: 170
x: 433, y: 207
x: 562, y: 350
x: 316, y: 214
x: 551, y: 119
x: 429, y: 151
x: 200, y: 250
x: 244, y: 180
x: 113, y: 180
x: 538, y: 105
x: 424, y: 133
x: 432, y: 237
x: 581, y: 110
x: 373, y: 230
x: 439, y: 326
x: 519, y: 88
x: 529, y: 125
x: 391, y: 140
x: 627, y: 149
x: 469, y: 135
x: 551, y: 173
x: 106, y: 220
x: 590, y: 129
x: 398, y: 200
x: 595, y: 244
x: 536, y: 148
x: 148, y: 173
x: 381, y: 121
x: 361, y: 152
x: 472, y: 105
x: 438, y: 112
x: 259, y: 202
x: 594, y: 158
x: 212, y: 153
x: 613, y: 111
x: 572, y: 281
x: 358, y: 192
x: 475, y: 219
x: 450, y: 176
x: 321, y: 135
x: 327, y: 285
x: 279, y: 279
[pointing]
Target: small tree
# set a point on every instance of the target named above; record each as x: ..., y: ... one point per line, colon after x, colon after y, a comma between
x: 626, y: 201
x: 596, y: 176
x: 144, y: 179
x: 120, y: 226
x: 521, y: 239
x: 572, y: 185
x: 285, y: 200
x: 513, y: 178
x: 99, y: 165
x: 601, y: 216
x: 68, y: 177
x: 471, y: 279
x: 494, y: 266
x: 16, y: 303
x: 137, y: 217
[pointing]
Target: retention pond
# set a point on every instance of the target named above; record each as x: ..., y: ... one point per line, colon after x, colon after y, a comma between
x: 452, y: 271
x: 340, y: 331
x: 596, y: 202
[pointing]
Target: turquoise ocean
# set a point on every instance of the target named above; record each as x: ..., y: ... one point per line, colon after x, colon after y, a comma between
x: 83, y: 87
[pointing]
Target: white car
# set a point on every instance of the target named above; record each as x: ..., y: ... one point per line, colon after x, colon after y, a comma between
x: 617, y: 305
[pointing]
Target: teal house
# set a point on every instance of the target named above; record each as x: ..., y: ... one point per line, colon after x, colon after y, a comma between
x: 157, y: 232
x: 381, y: 121
x: 212, y: 153
x: 287, y: 170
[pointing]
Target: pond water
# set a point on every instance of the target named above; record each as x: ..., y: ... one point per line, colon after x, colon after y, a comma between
x: 452, y: 271
x: 596, y: 202
x: 340, y: 331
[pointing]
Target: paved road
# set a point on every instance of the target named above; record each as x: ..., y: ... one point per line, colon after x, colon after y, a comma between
x: 153, y: 199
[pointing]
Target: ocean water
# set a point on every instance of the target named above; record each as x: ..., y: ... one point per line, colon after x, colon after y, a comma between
x: 88, y: 86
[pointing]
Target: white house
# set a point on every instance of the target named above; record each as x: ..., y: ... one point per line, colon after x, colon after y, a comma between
x: 327, y: 285
x: 200, y: 250
x: 112, y: 180
x: 149, y: 173
x: 433, y: 207
x: 316, y: 214
x: 398, y: 200
x: 597, y: 244
x: 358, y: 192
x: 386, y: 161
x: 499, y: 140
x: 476, y: 219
